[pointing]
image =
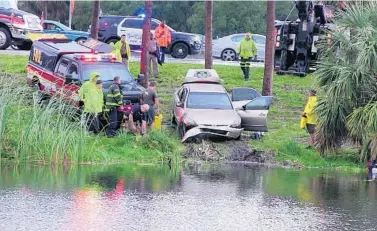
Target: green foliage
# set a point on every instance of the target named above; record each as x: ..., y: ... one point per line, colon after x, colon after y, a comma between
x: 229, y: 16
x: 348, y: 103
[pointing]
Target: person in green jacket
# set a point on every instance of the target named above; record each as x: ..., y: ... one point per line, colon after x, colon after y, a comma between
x: 246, y: 51
x: 122, y: 50
x: 91, y: 94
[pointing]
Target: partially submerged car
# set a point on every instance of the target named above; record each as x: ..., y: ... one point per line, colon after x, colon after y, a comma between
x: 203, y: 108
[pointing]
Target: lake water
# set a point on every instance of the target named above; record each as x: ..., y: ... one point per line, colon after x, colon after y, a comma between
x: 214, y: 197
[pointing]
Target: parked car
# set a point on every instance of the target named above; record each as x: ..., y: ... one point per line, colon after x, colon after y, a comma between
x: 111, y: 28
x: 54, y: 27
x: 226, y: 47
x: 203, y: 108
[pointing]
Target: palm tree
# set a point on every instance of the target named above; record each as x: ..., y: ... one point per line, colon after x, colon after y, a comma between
x: 208, y: 35
x: 144, y: 67
x: 270, y: 48
x: 95, y: 20
x: 347, y: 74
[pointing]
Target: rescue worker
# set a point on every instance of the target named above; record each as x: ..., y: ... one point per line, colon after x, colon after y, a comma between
x: 310, y: 117
x: 246, y: 51
x: 123, y: 50
x: 92, y: 97
x: 149, y: 97
x: 114, y: 99
x: 137, y: 120
x: 163, y: 37
x: 153, y: 55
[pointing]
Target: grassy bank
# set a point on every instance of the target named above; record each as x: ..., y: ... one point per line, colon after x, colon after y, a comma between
x: 284, y: 136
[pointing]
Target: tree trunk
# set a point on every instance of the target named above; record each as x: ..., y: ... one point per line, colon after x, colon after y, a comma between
x: 270, y: 50
x: 95, y: 20
x: 208, y: 35
x: 144, y: 67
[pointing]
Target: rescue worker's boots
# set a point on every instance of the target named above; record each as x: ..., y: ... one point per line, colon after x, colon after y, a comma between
x: 243, y: 71
x: 247, y: 73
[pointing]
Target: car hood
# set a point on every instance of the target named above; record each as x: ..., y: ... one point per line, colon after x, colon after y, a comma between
x: 206, y: 117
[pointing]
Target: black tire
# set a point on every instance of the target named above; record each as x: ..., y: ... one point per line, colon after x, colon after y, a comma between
x: 81, y: 39
x: 112, y: 41
x: 26, y: 46
x: 173, y: 121
x: 4, y: 32
x: 180, y: 51
x: 181, y: 130
x: 228, y: 55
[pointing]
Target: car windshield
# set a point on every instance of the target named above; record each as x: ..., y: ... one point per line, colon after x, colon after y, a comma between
x: 107, y: 71
x: 65, y: 28
x: 209, y: 100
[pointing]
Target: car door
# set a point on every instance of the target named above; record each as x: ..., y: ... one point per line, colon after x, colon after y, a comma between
x: 133, y: 29
x: 179, y: 99
x: 260, y: 42
x: 72, y: 84
x: 252, y: 108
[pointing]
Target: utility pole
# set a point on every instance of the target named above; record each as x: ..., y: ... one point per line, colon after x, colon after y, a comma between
x: 208, y: 35
x: 95, y: 19
x: 70, y: 14
x: 144, y: 67
x: 270, y: 49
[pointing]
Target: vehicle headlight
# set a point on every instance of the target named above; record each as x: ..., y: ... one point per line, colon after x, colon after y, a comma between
x: 189, y: 122
x: 236, y: 124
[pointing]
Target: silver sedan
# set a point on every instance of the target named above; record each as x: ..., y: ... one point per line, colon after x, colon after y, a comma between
x: 226, y: 47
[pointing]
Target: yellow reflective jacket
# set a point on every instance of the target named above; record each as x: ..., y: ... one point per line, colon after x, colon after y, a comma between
x: 311, y: 115
x: 117, y: 48
x: 92, y: 95
x: 247, y: 48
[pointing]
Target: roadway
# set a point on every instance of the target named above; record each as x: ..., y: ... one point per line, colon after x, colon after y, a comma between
x: 191, y: 59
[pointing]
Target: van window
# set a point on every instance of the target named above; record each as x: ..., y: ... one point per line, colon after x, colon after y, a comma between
x: 259, y: 39
x: 133, y: 23
x: 63, y: 67
x: 73, y: 71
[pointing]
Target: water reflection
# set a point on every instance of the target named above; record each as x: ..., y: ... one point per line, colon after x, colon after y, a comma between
x: 195, y: 197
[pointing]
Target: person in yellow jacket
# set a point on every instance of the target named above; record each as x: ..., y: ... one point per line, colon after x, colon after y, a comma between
x: 309, y: 117
x: 91, y: 93
x: 122, y: 50
x: 246, y: 51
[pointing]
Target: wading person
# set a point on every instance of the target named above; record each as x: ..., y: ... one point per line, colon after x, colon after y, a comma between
x: 114, y: 99
x: 124, y: 48
x: 91, y: 94
x: 246, y: 51
x: 149, y: 97
x: 137, y: 120
x: 310, y: 117
x: 153, y: 55
x: 163, y: 37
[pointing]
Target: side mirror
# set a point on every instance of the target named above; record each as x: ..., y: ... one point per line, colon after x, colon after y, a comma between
x: 179, y: 104
x: 70, y: 80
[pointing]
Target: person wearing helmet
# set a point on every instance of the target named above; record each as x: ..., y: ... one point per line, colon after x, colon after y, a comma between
x: 246, y: 51
x: 92, y: 97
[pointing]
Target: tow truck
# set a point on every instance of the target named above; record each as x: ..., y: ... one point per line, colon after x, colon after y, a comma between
x: 58, y: 67
x: 296, y: 50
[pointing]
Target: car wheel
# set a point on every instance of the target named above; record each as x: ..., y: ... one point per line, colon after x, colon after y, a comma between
x: 180, y: 51
x: 5, y: 38
x: 14, y: 47
x: 112, y: 41
x: 228, y: 55
x: 80, y: 40
x: 173, y: 121
x: 24, y: 46
x: 181, y: 130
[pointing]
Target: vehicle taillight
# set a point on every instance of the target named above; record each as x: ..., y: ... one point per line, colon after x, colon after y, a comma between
x: 96, y: 57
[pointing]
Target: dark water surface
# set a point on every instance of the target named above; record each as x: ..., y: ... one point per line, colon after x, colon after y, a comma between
x: 220, y: 197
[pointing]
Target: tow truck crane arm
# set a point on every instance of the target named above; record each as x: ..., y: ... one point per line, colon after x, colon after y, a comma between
x: 295, y: 46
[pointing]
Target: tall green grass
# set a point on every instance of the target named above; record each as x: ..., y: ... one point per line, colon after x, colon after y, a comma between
x: 31, y: 131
